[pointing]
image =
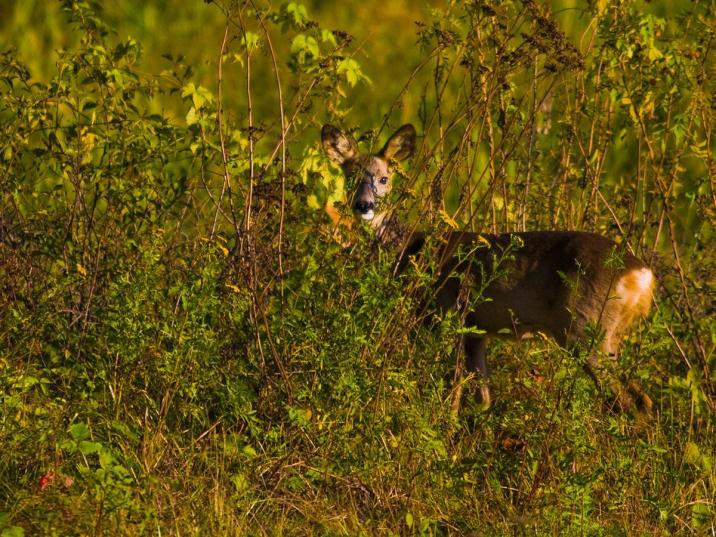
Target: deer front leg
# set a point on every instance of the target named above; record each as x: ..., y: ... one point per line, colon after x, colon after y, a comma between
x: 475, y: 362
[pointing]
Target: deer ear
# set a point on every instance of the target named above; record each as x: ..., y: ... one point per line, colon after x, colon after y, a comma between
x: 339, y: 146
x: 401, y: 145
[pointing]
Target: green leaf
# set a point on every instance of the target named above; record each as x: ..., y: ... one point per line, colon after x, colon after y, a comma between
x: 470, y: 330
x: 297, y: 12
x: 702, y: 514
x: 694, y: 456
x: 199, y: 96
x: 192, y: 117
x: 188, y: 90
x: 654, y: 54
x: 106, y: 459
x: 79, y: 431
x: 87, y: 448
x: 250, y: 41
x: 304, y: 48
x: 328, y: 37
x: 350, y: 68
x: 240, y: 482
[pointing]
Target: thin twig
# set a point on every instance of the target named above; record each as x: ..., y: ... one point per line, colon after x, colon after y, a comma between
x: 226, y: 185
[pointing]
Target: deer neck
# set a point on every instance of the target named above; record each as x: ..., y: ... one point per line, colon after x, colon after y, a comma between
x: 395, y: 236
x: 390, y: 232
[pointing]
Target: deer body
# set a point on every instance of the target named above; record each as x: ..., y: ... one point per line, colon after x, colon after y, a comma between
x: 560, y: 283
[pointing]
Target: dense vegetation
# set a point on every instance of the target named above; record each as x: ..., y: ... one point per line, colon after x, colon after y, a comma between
x: 186, y: 347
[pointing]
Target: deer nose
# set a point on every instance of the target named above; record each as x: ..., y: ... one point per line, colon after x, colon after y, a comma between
x: 363, y: 206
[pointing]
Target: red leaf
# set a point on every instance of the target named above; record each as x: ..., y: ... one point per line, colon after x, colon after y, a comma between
x: 46, y: 480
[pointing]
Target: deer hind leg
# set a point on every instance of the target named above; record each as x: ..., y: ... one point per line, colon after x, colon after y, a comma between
x: 636, y: 290
x: 633, y: 293
x: 627, y: 392
x: 603, y: 366
x: 475, y: 362
x: 607, y: 368
x: 602, y: 374
x: 599, y: 356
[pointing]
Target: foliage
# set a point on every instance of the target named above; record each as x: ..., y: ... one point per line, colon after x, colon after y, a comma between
x: 185, y: 347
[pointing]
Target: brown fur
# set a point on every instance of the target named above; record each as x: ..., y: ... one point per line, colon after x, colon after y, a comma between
x: 559, y: 283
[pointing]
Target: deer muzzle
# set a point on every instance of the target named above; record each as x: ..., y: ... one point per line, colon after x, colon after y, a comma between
x: 364, y: 200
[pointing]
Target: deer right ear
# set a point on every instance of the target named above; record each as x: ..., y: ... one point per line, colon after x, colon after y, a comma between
x: 339, y: 146
x: 401, y: 145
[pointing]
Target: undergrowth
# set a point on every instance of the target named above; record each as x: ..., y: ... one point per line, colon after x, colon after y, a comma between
x: 186, y: 347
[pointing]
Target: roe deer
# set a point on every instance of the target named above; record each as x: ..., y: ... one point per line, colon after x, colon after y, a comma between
x: 561, y: 283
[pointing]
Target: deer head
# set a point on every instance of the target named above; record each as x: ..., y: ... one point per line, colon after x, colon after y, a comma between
x: 371, y: 174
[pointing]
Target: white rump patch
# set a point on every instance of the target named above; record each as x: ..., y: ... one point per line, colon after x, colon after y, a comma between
x: 635, y: 282
x: 644, y: 278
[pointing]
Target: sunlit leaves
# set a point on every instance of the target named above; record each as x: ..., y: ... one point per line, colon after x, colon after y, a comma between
x: 199, y: 96
x: 296, y: 13
x: 350, y: 68
x: 250, y: 41
x: 304, y: 49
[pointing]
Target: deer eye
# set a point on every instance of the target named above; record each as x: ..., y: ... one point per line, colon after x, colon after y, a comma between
x: 383, y: 180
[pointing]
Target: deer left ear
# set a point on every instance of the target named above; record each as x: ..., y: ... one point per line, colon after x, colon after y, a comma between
x: 339, y: 147
x: 401, y: 145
